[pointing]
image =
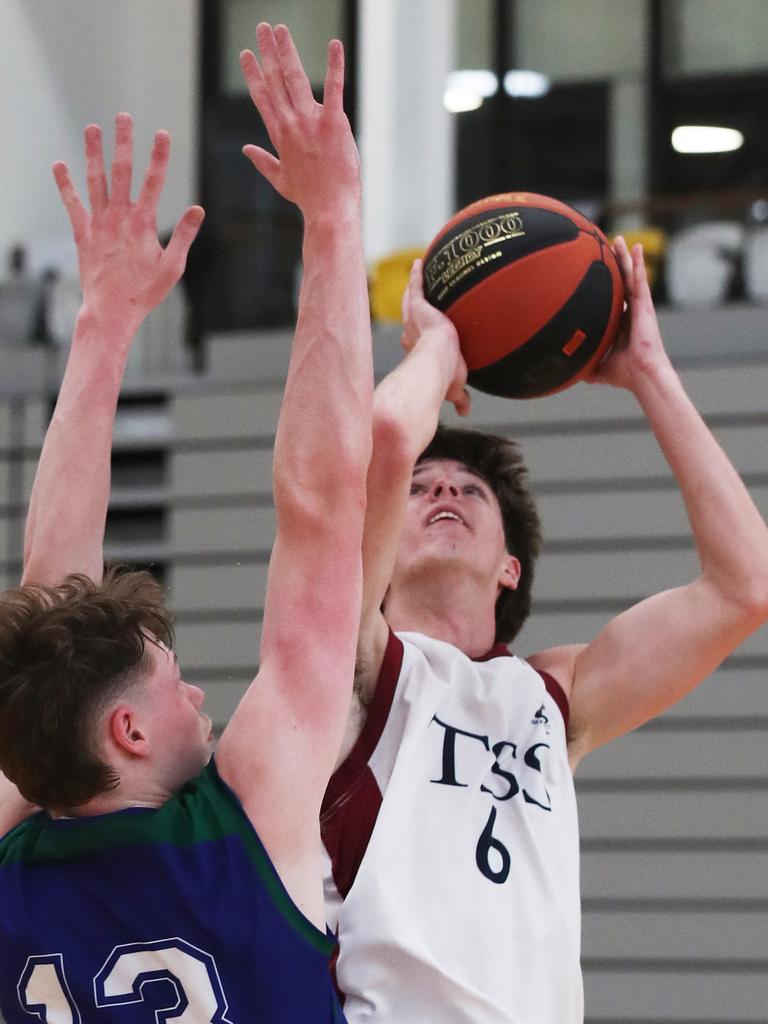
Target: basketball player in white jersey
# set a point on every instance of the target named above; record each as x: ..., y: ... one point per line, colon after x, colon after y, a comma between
x: 450, y: 824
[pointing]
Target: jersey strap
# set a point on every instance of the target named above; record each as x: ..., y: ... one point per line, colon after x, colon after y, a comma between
x: 353, y: 798
x: 557, y: 693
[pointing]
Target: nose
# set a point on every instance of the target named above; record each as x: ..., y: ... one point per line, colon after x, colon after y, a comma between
x: 196, y: 694
x: 444, y: 485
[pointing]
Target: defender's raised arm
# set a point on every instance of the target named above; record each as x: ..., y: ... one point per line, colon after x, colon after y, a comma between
x: 124, y: 274
x: 301, y: 695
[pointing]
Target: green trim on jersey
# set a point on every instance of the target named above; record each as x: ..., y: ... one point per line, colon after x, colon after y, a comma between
x: 204, y: 810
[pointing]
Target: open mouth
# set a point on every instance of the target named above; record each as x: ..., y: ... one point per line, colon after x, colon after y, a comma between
x: 445, y: 515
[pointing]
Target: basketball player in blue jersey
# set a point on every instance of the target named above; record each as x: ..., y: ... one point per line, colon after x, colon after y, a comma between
x: 159, y: 884
x: 450, y: 824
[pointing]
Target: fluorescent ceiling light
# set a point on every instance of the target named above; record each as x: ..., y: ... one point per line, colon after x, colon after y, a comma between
x: 456, y: 100
x: 466, y: 89
x: 700, y: 138
x: 530, y: 84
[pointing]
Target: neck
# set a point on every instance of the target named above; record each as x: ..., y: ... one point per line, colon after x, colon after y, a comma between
x: 118, y: 799
x: 454, y: 608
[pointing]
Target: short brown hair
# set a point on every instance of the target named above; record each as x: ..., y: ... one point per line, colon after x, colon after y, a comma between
x: 65, y: 651
x: 498, y: 461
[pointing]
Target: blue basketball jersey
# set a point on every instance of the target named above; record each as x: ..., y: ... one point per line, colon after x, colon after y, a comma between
x: 171, y: 914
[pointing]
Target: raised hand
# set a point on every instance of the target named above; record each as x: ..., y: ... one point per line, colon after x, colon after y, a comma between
x: 639, y: 349
x: 317, y: 164
x: 421, y: 317
x: 124, y: 271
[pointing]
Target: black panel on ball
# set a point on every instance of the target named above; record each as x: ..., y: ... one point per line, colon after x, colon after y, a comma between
x: 477, y: 247
x: 540, y: 364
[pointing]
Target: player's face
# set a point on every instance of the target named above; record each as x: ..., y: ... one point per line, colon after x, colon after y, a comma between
x: 453, y: 515
x: 181, y: 733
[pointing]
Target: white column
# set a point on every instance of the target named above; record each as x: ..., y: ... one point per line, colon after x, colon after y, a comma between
x: 406, y: 135
x: 628, y: 146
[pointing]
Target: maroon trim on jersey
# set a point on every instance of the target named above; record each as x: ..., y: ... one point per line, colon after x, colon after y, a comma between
x: 352, y: 799
x: 557, y: 693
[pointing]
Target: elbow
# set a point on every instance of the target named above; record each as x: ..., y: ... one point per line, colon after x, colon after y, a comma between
x: 754, y: 601
x: 393, y: 441
x: 751, y: 600
x: 319, y: 499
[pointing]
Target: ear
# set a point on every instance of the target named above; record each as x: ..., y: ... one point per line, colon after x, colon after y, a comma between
x: 509, y: 577
x: 126, y: 732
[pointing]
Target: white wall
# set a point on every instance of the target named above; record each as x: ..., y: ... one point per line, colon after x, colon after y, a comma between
x: 65, y: 63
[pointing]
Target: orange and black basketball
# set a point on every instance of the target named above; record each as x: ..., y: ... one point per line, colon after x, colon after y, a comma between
x: 533, y: 288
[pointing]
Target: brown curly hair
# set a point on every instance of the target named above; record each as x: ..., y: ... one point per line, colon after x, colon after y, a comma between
x: 65, y: 652
x: 498, y: 461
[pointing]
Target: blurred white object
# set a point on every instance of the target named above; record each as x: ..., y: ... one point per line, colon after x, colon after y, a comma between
x: 756, y: 264
x: 63, y: 304
x: 704, y: 138
x: 701, y: 263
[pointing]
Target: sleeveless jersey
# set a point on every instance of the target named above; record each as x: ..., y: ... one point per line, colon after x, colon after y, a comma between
x: 451, y: 842
x: 174, y: 913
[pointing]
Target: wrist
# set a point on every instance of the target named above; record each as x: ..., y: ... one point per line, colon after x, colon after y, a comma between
x: 440, y: 339
x: 114, y: 324
x: 342, y: 215
x: 654, y: 381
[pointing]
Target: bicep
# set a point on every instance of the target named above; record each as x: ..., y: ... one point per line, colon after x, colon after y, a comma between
x: 649, y: 657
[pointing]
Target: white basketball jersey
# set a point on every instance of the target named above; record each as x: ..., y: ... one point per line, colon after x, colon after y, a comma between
x: 452, y: 846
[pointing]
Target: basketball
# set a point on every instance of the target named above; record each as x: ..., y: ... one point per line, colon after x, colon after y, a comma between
x: 534, y: 291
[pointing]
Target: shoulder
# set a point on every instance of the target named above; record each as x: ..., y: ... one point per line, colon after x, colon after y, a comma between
x: 560, y: 663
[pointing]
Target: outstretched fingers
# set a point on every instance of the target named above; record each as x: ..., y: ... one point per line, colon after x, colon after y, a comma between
x: 294, y: 76
x: 78, y: 216
x: 174, y: 258
x: 258, y: 90
x: 333, y: 91
x: 624, y: 261
x: 94, y: 169
x: 641, y: 288
x: 272, y: 68
x: 264, y: 163
x: 122, y: 160
x: 155, y: 176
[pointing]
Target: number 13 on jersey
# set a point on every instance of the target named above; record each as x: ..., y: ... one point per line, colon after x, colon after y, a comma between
x: 44, y: 991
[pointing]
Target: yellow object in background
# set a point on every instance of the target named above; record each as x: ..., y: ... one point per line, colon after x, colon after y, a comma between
x: 654, y: 243
x: 389, y: 277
